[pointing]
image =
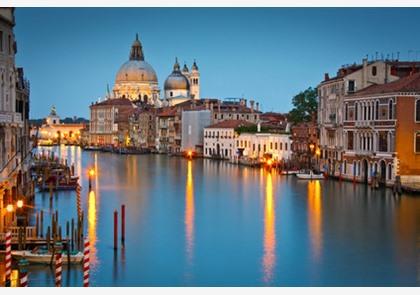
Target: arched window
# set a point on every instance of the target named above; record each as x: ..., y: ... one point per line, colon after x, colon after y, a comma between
x: 391, y: 109
x: 373, y: 71
x: 377, y: 110
x: 346, y: 114
x: 418, y: 110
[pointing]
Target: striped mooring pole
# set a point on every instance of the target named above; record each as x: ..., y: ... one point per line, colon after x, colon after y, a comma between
x: 8, y: 259
x: 86, y: 264
x: 23, y: 273
x: 79, y: 208
x: 58, y: 269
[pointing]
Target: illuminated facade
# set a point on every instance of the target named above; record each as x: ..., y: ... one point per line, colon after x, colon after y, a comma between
x: 55, y: 132
x: 15, y: 148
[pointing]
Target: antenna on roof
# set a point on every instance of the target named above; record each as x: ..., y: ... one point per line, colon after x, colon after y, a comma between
x: 376, y: 55
x: 398, y: 55
x: 392, y: 56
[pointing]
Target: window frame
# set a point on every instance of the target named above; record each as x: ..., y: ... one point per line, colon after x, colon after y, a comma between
x: 416, y: 105
x: 415, y: 142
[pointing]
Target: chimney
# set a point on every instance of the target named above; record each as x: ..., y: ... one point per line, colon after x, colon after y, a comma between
x: 207, y: 104
x: 218, y: 105
x: 245, y: 102
x: 211, y: 106
x: 241, y: 101
x: 326, y: 77
x: 257, y: 108
x: 251, y: 102
x: 259, y: 127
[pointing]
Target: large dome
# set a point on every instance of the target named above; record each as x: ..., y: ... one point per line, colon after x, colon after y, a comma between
x: 176, y: 80
x: 136, y: 71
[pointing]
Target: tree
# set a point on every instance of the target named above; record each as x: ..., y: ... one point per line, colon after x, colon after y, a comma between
x: 305, y: 105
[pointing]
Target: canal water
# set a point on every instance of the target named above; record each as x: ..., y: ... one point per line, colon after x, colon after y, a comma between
x: 209, y: 223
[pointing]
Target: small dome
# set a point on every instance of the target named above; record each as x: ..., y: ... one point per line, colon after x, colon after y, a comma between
x: 136, y: 71
x: 176, y: 80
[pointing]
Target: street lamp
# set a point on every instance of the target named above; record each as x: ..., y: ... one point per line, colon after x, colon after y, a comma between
x: 19, y: 203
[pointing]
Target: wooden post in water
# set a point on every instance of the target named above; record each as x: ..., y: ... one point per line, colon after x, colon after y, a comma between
x: 72, y: 234
x: 51, y: 190
x: 48, y: 238
x: 42, y: 223
x: 37, y: 225
x: 122, y: 224
x: 20, y: 238
x: 60, y: 237
x: 67, y: 231
x: 24, y: 237
x: 115, y: 230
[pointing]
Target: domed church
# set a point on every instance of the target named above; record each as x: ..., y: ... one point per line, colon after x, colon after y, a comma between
x: 136, y: 79
x: 182, y: 85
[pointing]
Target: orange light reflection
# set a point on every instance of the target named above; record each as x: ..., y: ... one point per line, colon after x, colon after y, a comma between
x: 315, y: 217
x: 269, y: 258
x: 189, y: 213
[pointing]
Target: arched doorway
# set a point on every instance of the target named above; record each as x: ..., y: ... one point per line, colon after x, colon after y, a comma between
x: 365, y: 167
x: 382, y: 176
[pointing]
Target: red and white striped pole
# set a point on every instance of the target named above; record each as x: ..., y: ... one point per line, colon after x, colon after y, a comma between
x: 23, y: 272
x: 8, y: 258
x: 86, y: 264
x: 58, y: 269
x: 79, y: 208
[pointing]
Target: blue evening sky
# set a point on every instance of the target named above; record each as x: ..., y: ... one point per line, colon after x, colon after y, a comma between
x: 269, y: 54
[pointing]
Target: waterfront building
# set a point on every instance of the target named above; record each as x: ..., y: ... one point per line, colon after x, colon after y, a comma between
x: 261, y: 146
x: 219, y: 138
x: 382, y: 132
x: 181, y: 86
x: 305, y: 146
x: 168, y: 130
x: 15, y: 147
x: 193, y: 123
x: 275, y: 122
x: 142, y: 128
x: 136, y: 79
x: 53, y: 131
x: 109, y: 122
x: 331, y: 93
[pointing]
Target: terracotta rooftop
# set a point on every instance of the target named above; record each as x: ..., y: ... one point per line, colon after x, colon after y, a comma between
x: 407, y: 84
x: 230, y: 124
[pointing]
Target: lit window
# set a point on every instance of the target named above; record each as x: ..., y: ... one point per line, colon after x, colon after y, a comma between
x: 418, y: 110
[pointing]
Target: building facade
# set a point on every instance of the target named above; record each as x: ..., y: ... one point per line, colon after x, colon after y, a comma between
x: 15, y: 148
x: 382, y: 132
x: 305, y: 147
x: 219, y: 139
x: 193, y: 124
x: 109, y: 122
x: 262, y: 146
x: 55, y: 132
x: 331, y: 93
x: 142, y: 128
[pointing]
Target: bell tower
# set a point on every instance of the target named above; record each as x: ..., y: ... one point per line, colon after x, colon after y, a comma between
x: 194, y: 78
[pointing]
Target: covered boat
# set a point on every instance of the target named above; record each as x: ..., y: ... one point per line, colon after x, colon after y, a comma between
x: 43, y: 256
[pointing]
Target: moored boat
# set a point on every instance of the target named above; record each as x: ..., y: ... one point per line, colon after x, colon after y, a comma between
x: 310, y: 175
x: 43, y: 256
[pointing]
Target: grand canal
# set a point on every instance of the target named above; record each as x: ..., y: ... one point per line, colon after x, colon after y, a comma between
x: 207, y: 223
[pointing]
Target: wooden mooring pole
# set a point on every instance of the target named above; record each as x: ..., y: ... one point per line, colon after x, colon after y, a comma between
x: 115, y: 230
x: 122, y: 224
